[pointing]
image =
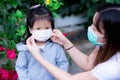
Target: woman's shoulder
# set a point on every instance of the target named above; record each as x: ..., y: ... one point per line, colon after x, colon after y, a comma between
x: 115, y: 57
x: 108, y: 70
x: 114, y: 60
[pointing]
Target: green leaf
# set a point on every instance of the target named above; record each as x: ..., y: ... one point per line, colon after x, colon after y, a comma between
x: 3, y: 54
x: 8, y: 65
x: 94, y: 1
x: 117, y: 1
x: 11, y: 44
x: 61, y: 3
x: 110, y: 1
x: 8, y: 6
x: 56, y: 6
x: 88, y: 4
x: 18, y: 14
x: 12, y: 19
x: 14, y: 5
x: 54, y: 14
x: 21, y: 31
x: 55, y: 0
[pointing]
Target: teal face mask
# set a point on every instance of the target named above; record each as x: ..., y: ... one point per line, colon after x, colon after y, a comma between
x: 93, y: 37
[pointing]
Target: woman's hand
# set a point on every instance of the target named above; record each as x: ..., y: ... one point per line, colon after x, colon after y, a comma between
x: 59, y: 38
x: 32, y: 47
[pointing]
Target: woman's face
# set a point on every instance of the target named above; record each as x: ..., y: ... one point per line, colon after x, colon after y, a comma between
x: 93, y: 27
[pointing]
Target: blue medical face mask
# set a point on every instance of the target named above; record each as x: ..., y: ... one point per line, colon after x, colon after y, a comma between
x: 93, y: 37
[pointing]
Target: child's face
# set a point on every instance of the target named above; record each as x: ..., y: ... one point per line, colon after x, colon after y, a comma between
x: 42, y: 24
x: 41, y: 31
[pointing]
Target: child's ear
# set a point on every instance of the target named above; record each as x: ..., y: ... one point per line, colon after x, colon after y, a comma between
x: 30, y: 29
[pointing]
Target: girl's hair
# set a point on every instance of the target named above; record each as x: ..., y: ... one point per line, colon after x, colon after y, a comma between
x: 110, y: 20
x: 37, y: 13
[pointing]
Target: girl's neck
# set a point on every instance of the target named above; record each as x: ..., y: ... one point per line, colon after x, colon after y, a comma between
x: 40, y: 43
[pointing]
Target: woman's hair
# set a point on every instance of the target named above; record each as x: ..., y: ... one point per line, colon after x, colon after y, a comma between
x: 37, y: 13
x: 104, y: 6
x: 109, y: 20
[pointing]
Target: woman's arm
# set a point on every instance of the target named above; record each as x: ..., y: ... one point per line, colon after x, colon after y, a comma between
x: 82, y: 60
x: 85, y: 76
x: 56, y: 72
x: 62, y: 75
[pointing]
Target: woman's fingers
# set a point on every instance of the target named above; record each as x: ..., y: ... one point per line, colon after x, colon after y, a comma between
x: 57, y: 33
x: 58, y: 37
x: 53, y: 39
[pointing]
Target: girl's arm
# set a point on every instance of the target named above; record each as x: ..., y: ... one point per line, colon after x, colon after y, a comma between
x: 82, y: 60
x: 61, y: 58
x: 56, y: 72
x: 21, y: 66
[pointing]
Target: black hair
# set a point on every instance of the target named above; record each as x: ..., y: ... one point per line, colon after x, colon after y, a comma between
x: 107, y: 5
x: 36, y: 13
x: 104, y: 6
x: 110, y: 20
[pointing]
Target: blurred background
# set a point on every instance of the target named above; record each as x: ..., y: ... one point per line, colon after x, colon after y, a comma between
x: 72, y: 17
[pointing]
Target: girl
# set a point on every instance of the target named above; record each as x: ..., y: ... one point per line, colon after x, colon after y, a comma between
x: 40, y: 24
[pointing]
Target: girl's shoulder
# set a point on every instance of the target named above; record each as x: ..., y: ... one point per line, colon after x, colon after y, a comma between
x: 21, y: 46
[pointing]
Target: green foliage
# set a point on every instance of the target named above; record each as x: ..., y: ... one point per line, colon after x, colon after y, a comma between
x: 8, y: 65
x: 54, y: 5
x: 88, y: 7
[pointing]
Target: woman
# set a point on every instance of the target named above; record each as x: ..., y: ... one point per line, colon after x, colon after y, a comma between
x: 103, y: 63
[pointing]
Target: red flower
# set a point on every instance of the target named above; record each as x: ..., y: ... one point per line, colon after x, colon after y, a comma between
x: 1, y: 48
x: 11, y: 54
x: 65, y: 34
x: 13, y: 75
x: 4, y: 74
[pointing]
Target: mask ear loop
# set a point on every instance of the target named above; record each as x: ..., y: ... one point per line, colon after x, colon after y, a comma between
x: 35, y: 6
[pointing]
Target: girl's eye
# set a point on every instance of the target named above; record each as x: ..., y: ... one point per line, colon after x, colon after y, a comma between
x: 38, y: 28
x: 47, y: 28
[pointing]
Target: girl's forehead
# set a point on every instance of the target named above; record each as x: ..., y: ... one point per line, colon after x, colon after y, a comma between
x: 42, y: 21
x: 41, y: 24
